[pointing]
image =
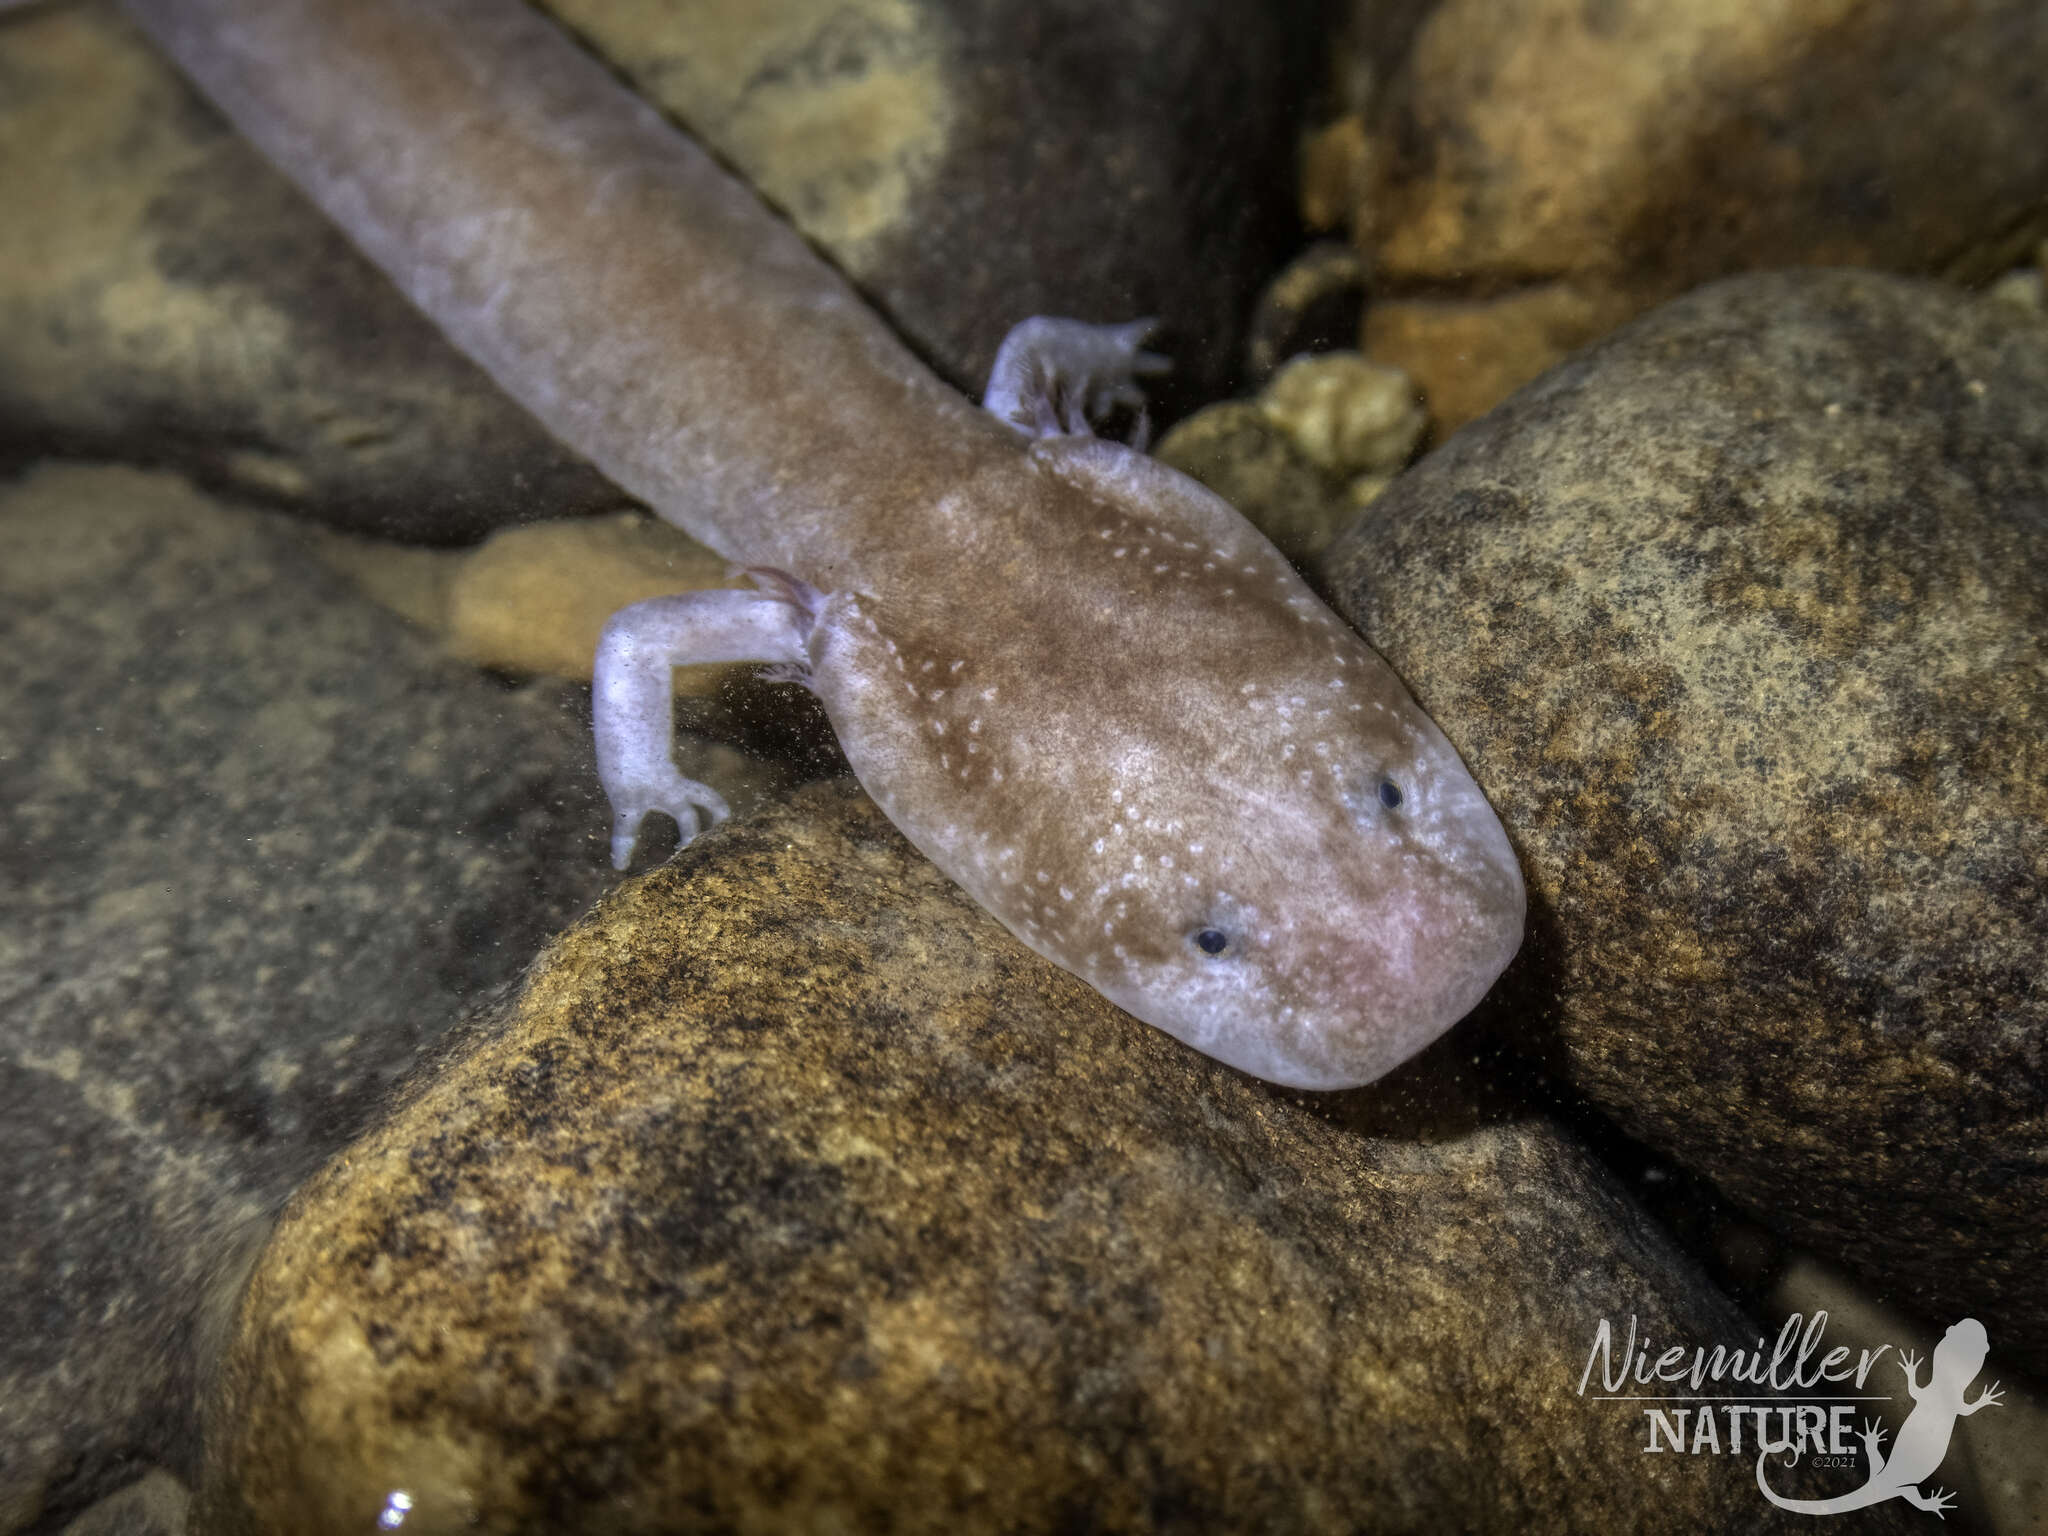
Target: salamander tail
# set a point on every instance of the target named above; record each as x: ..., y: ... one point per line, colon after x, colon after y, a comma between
x: 1855, y: 1498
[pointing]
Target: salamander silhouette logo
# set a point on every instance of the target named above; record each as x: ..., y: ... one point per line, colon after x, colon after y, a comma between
x: 1923, y: 1438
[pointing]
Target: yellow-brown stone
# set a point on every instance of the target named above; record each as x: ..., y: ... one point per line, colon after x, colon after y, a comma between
x: 1625, y: 151
x: 791, y: 1194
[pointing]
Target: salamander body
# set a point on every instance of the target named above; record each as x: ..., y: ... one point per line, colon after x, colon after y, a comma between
x: 1084, y: 686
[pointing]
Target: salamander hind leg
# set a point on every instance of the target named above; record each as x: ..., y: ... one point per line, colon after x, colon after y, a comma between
x: 633, y: 697
x: 1937, y: 1503
x: 1057, y: 378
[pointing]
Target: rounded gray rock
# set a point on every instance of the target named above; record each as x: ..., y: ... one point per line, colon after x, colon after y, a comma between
x: 174, y: 300
x: 258, y: 845
x: 1739, y: 618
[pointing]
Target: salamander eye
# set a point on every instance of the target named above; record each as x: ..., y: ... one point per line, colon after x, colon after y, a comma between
x: 1390, y: 794
x: 1211, y: 941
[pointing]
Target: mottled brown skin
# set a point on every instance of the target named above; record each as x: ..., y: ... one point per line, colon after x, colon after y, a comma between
x: 1311, y: 891
x: 1188, y: 742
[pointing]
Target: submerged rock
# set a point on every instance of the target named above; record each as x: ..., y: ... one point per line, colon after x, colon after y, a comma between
x: 259, y: 844
x: 972, y: 165
x: 791, y: 1194
x: 1325, y: 435
x: 1511, y: 213
x: 155, y: 1504
x: 533, y: 600
x: 174, y: 300
x: 1739, y: 618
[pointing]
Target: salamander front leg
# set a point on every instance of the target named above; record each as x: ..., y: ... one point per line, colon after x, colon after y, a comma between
x: 1065, y: 377
x: 633, y: 696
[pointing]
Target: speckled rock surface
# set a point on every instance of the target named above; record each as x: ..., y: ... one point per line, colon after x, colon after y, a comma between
x: 1739, y: 619
x: 175, y: 300
x: 793, y: 1195
x: 1720, y: 136
x: 155, y: 1504
x: 973, y: 162
x: 257, y: 846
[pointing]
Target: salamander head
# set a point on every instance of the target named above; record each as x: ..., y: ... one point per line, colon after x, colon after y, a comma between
x: 1961, y: 1352
x: 1313, y: 916
x: 1193, y: 786
x: 1275, y: 854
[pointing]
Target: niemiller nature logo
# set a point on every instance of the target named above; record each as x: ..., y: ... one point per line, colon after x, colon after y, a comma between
x: 1792, y: 1414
